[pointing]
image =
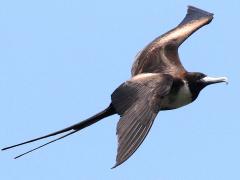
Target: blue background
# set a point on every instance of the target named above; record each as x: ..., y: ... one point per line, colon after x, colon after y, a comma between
x: 60, y: 61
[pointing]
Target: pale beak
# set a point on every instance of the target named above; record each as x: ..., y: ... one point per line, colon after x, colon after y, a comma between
x: 212, y: 80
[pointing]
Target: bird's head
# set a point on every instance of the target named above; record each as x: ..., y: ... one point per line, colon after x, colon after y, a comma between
x: 197, y: 81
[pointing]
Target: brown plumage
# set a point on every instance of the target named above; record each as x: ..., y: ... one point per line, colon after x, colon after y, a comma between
x: 159, y: 82
x: 161, y: 55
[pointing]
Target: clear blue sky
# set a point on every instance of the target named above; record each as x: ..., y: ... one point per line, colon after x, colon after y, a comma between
x: 61, y: 60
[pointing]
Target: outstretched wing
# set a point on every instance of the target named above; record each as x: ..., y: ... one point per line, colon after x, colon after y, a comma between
x: 137, y: 102
x: 161, y: 55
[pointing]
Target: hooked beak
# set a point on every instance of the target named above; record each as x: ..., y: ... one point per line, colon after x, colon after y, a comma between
x: 212, y: 80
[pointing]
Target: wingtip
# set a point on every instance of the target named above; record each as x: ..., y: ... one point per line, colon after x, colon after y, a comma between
x: 193, y: 8
x: 116, y: 165
x: 113, y: 167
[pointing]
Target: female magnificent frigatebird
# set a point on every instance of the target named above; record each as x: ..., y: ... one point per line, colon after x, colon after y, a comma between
x: 159, y: 82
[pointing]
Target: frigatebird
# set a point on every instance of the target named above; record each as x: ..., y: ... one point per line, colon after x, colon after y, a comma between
x: 159, y: 82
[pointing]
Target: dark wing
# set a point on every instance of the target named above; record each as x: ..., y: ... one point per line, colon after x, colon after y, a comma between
x: 138, y: 104
x: 161, y: 55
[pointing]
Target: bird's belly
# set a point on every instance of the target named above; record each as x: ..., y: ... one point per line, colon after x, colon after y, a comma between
x: 177, y: 99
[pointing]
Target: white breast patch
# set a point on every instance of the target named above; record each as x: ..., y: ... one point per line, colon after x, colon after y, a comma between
x: 182, y: 98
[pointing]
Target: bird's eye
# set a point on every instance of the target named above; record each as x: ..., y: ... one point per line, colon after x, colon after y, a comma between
x: 200, y: 76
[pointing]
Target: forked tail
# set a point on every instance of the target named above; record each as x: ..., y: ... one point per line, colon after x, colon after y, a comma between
x: 73, y: 129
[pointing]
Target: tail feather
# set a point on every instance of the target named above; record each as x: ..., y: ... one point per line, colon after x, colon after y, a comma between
x: 75, y: 128
x: 61, y: 137
x: 39, y: 138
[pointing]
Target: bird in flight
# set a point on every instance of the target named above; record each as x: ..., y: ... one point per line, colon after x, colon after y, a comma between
x: 159, y: 82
